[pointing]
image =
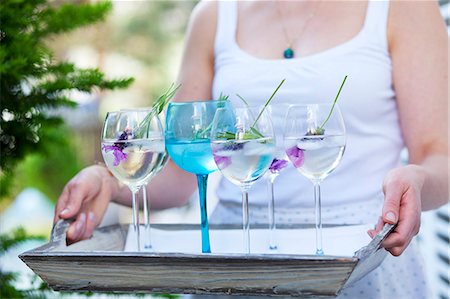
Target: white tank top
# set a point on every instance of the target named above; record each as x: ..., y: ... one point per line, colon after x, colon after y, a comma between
x: 374, y: 139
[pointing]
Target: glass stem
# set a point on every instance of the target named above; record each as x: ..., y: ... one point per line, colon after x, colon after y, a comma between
x: 245, y: 221
x: 146, y: 208
x: 135, y: 207
x: 202, y: 180
x: 271, y: 208
x: 318, y: 216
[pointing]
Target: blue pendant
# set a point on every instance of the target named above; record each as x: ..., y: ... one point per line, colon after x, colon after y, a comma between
x: 288, y: 53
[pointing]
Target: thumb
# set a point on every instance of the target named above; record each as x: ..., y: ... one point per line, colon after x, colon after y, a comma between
x: 392, y: 197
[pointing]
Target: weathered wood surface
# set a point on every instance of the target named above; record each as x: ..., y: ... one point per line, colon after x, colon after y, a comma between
x: 370, y: 256
x: 99, y: 264
x: 175, y: 273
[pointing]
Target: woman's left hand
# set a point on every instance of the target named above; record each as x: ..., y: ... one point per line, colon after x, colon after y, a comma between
x: 402, y: 205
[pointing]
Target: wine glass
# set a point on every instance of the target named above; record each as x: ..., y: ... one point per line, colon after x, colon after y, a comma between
x: 243, y: 148
x: 279, y: 162
x: 133, y: 148
x: 188, y: 130
x: 314, y: 140
x: 146, y: 205
x: 157, y: 169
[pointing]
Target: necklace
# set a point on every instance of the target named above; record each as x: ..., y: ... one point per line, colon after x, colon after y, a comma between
x: 288, y: 53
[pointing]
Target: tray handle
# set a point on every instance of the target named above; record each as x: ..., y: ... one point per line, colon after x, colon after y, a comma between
x: 59, y: 230
x: 375, y: 244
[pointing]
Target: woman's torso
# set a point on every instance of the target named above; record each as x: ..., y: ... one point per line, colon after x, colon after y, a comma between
x: 374, y: 139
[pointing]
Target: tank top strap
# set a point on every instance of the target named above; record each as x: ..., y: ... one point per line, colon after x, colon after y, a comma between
x: 226, y: 25
x: 376, y: 21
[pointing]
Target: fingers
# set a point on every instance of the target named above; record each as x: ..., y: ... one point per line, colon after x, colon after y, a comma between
x: 91, y: 223
x: 76, y: 194
x: 76, y: 229
x: 85, y: 198
x: 399, y: 241
x: 83, y: 227
x: 402, y: 206
x: 61, y: 203
x: 378, y: 227
x: 93, y: 211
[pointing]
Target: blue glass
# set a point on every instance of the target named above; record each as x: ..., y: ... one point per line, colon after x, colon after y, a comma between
x: 187, y: 137
x: 193, y: 156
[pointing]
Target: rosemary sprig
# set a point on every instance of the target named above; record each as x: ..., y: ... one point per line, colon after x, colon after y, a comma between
x: 157, y: 107
x: 268, y: 101
x: 320, y: 130
x: 252, y: 130
x: 252, y: 133
x: 222, y: 99
x: 243, y: 100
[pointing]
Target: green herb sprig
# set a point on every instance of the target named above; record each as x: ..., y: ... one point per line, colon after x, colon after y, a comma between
x: 163, y: 100
x: 157, y: 107
x: 320, y: 130
x: 243, y: 100
x: 222, y: 99
x: 267, y: 103
x: 252, y: 133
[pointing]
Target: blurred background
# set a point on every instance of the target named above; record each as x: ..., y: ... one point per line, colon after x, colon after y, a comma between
x: 138, y: 39
x: 143, y: 40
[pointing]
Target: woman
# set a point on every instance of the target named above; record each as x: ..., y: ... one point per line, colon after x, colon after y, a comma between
x: 395, y: 56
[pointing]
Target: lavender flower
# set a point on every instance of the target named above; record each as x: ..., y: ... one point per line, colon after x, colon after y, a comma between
x: 118, y: 148
x: 118, y: 153
x: 296, y: 155
x: 277, y: 165
x: 222, y: 162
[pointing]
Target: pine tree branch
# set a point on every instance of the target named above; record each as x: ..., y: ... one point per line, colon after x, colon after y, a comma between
x: 68, y: 17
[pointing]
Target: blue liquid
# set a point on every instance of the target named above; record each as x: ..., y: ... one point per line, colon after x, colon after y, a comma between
x: 194, y: 156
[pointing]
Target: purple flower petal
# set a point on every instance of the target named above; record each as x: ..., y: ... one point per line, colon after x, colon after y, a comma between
x: 222, y: 162
x: 108, y: 148
x: 296, y: 156
x: 119, y: 156
x: 277, y: 165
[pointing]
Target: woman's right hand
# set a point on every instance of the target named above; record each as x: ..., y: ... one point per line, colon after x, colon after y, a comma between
x: 85, y: 199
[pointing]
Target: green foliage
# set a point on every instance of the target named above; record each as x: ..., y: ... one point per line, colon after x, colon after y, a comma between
x: 8, y: 279
x: 158, y: 107
x: 7, y: 289
x: 33, y: 83
x: 16, y: 237
x: 33, y: 142
x: 49, y: 170
x: 163, y: 21
x: 153, y: 36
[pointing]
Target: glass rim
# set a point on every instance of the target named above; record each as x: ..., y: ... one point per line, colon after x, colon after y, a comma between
x: 135, y: 109
x: 313, y: 104
x: 242, y: 107
x: 192, y: 102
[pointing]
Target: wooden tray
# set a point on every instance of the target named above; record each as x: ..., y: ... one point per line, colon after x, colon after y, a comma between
x: 100, y: 264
